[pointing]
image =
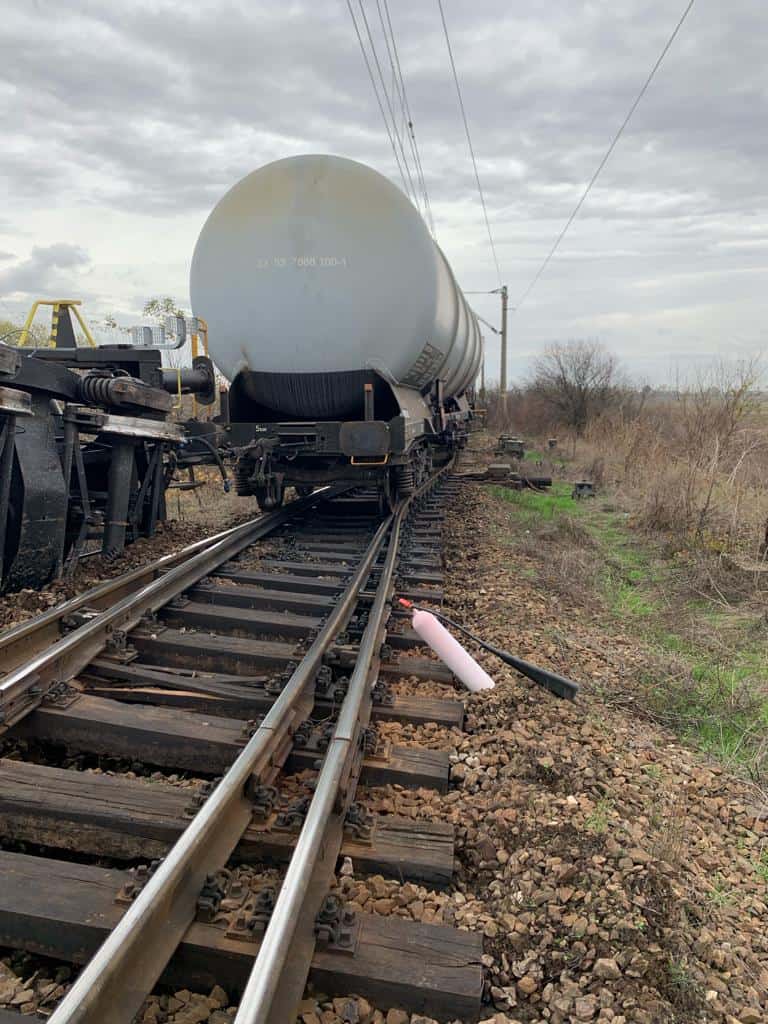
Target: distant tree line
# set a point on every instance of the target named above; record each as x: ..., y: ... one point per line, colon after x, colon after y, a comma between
x: 573, y: 385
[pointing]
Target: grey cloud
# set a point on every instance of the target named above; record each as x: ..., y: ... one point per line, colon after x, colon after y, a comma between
x: 160, y: 106
x: 42, y: 269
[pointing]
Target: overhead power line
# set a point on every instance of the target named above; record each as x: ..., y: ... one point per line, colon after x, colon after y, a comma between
x: 469, y: 139
x: 605, y: 159
x: 412, y: 189
x: 392, y: 98
x: 376, y: 94
x: 406, y: 110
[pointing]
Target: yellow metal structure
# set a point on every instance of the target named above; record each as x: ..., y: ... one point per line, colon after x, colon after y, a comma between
x: 368, y: 460
x: 58, y: 306
x: 179, y: 399
x: 195, y: 339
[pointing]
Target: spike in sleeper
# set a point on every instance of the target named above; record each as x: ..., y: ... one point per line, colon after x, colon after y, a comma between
x: 449, y: 650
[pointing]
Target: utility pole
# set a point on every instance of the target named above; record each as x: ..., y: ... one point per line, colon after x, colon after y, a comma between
x: 504, y: 293
x: 503, y: 376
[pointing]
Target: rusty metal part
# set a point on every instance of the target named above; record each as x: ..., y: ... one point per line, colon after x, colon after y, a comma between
x: 93, y: 421
x: 15, y: 402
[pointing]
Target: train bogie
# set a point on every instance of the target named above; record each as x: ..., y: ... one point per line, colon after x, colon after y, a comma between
x: 392, y: 454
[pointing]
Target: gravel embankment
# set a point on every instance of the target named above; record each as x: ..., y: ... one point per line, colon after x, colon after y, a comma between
x: 615, y: 874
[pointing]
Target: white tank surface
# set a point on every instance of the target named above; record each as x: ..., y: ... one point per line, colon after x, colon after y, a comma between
x: 320, y: 265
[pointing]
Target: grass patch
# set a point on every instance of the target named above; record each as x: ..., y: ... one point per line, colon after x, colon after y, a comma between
x: 717, y: 701
x: 529, y: 506
x: 711, y: 684
x: 597, y: 821
x: 682, y: 988
x: 628, y: 599
x: 721, y: 895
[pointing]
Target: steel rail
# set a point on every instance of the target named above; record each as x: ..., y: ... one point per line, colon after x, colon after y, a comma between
x: 267, y: 998
x: 45, y: 628
x: 113, y: 985
x: 24, y: 686
x: 265, y: 978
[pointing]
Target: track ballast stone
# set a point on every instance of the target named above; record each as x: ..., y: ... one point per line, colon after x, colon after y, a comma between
x: 616, y: 874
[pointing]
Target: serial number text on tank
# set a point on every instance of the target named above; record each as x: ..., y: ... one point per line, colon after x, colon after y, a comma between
x: 300, y: 261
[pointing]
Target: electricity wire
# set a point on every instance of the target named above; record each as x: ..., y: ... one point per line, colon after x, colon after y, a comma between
x: 607, y: 156
x: 398, y: 90
x: 469, y: 139
x: 412, y: 192
x: 376, y: 94
x: 406, y: 110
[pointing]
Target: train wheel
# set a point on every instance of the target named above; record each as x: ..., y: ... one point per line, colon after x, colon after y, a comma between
x: 269, y: 495
x: 387, y: 495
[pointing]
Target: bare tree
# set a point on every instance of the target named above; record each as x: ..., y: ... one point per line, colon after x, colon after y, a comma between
x: 716, y: 411
x: 578, y: 380
x: 717, y: 403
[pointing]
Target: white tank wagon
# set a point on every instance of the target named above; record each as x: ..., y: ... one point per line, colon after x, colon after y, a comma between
x: 350, y: 348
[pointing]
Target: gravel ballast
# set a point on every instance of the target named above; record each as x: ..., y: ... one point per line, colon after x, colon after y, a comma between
x: 615, y: 874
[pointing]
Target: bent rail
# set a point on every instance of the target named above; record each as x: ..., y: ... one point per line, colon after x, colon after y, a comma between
x: 113, y: 985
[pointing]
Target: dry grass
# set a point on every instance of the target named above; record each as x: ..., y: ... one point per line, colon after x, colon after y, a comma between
x: 701, y: 619
x: 690, y: 464
x: 207, y: 502
x: 703, y: 499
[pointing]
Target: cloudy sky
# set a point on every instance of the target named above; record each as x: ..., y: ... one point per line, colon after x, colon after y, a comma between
x: 125, y: 121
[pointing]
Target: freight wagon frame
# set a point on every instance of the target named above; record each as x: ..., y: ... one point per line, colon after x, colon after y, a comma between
x: 397, y: 435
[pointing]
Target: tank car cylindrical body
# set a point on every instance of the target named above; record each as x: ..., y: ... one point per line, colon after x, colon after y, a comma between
x: 318, y: 268
x: 338, y: 321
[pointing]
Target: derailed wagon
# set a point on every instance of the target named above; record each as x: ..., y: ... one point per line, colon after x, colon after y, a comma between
x: 350, y: 348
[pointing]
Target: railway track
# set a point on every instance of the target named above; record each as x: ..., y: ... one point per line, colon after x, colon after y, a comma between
x: 259, y: 663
